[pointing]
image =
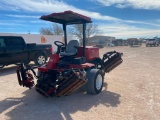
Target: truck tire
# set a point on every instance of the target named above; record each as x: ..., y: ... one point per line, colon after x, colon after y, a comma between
x: 95, y: 81
x: 40, y: 59
x: 1, y: 66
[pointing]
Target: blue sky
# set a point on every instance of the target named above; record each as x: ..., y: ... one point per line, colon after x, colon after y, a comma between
x: 118, y: 18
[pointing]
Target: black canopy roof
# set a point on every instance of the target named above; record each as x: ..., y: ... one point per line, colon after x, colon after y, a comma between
x: 67, y: 17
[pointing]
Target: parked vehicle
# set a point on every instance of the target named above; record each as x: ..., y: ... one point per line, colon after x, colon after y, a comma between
x: 99, y: 44
x: 110, y: 45
x: 78, y: 66
x: 13, y: 50
x: 152, y: 42
x: 134, y: 42
x: 120, y: 42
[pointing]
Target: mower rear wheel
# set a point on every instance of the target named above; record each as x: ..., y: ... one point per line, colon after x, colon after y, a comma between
x: 95, y: 81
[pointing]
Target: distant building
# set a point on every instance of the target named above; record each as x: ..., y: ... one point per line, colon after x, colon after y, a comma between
x: 105, y: 40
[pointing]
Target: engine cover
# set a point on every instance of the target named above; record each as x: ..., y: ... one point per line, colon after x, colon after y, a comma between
x: 91, y: 52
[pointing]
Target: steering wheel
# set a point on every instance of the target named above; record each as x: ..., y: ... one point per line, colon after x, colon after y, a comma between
x: 59, y: 45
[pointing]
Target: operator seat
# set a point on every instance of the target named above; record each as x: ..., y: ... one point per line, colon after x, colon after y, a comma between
x: 71, y: 48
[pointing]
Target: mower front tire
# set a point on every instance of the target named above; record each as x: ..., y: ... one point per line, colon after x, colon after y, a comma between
x: 95, y: 81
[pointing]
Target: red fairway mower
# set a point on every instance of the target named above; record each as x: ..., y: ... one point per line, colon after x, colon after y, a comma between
x: 77, y: 66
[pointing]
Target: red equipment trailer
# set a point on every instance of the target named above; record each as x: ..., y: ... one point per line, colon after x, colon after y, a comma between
x: 77, y: 66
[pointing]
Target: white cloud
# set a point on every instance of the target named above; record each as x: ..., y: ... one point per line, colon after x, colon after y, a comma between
x: 126, y: 31
x: 11, y: 24
x: 119, y: 30
x: 137, y: 4
x: 22, y: 16
x: 18, y: 23
x: 142, y: 23
x: 50, y: 6
x: 35, y: 5
x: 47, y: 6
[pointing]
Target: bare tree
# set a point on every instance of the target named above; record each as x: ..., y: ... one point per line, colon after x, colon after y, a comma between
x: 46, y: 31
x: 75, y: 30
x: 91, y: 30
x: 58, y: 30
x: 55, y: 29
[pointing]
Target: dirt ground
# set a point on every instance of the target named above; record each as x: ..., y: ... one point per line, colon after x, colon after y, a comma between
x: 130, y: 92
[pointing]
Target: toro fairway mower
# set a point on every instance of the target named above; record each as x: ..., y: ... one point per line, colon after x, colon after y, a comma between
x: 73, y: 68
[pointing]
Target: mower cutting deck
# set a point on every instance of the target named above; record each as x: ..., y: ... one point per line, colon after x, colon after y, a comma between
x: 77, y: 66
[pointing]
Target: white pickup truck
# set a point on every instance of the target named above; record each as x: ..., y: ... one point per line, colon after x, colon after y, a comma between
x: 152, y: 42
